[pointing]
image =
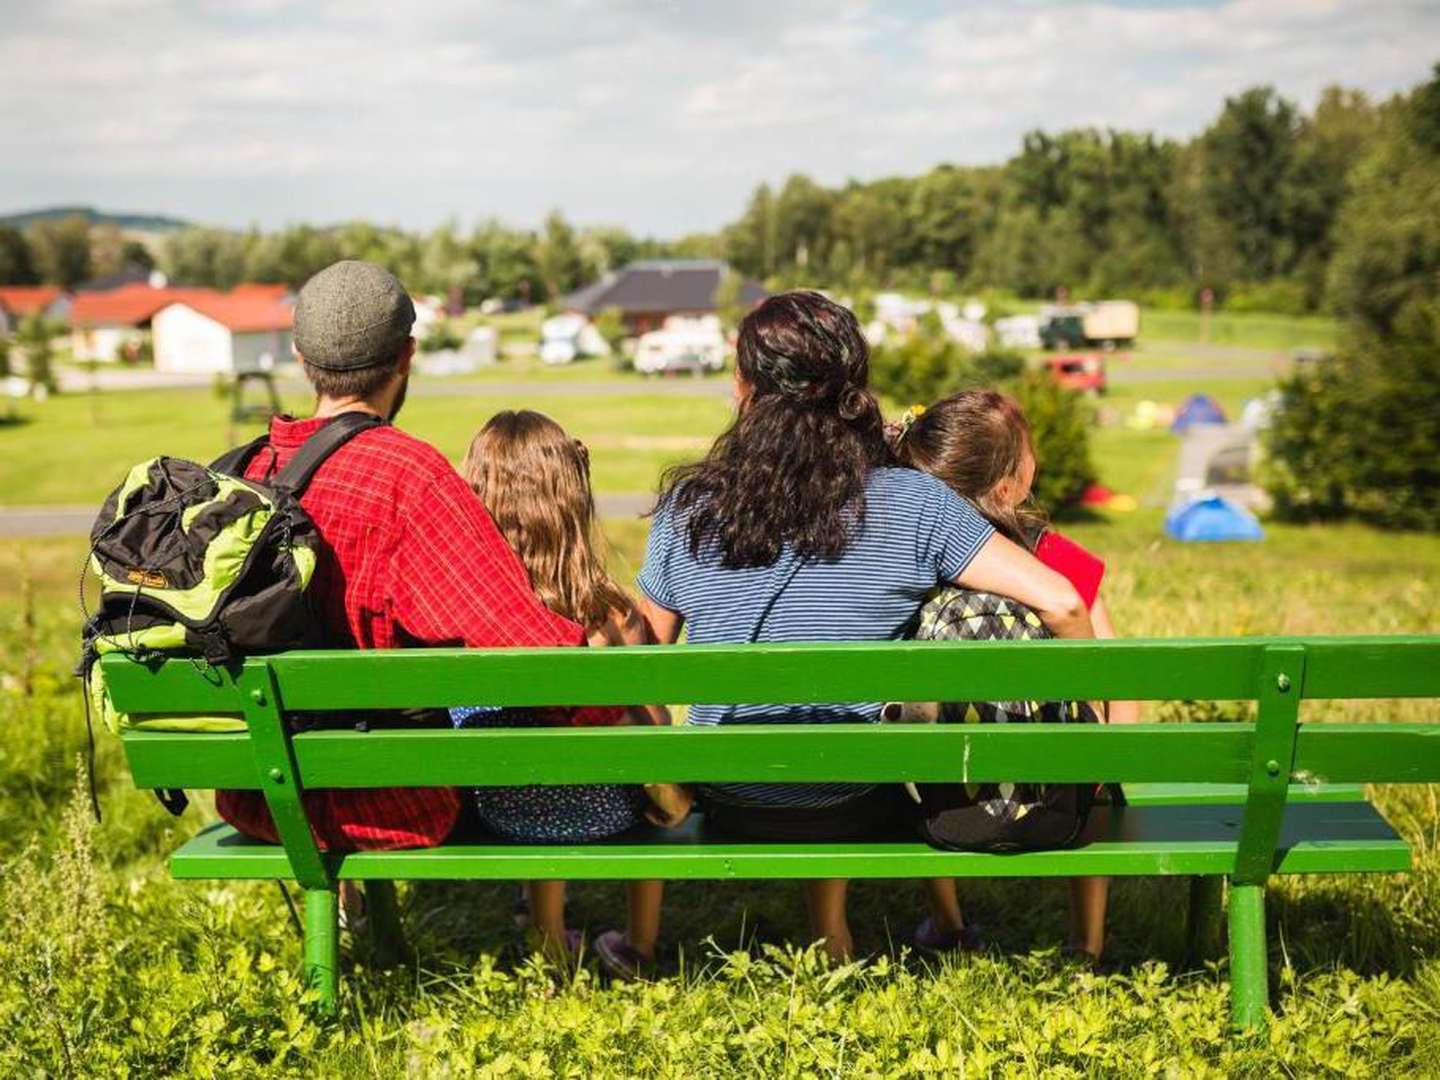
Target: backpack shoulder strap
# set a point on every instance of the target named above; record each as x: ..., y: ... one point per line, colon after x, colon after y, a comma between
x: 296, y: 475
x: 234, y: 462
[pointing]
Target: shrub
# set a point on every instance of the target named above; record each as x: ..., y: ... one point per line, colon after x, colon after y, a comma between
x: 33, y: 337
x: 928, y: 366
x: 1277, y: 297
x: 440, y: 336
x: 1358, y: 435
x: 1060, y: 426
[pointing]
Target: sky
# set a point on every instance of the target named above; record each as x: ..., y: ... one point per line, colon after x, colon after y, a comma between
x: 658, y: 116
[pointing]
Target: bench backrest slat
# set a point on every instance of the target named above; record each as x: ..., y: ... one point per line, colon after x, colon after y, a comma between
x: 1174, y: 753
x: 1165, y: 669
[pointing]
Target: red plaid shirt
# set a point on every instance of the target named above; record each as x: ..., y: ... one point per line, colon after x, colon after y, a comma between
x: 410, y: 557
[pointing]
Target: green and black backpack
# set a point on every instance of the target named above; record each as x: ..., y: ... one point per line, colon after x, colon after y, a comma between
x: 196, y: 561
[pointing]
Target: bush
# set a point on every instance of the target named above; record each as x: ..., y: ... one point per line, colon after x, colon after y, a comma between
x: 1358, y: 435
x: 1060, y: 426
x: 1178, y: 298
x: 33, y: 337
x: 440, y: 335
x: 1277, y: 297
x: 928, y: 366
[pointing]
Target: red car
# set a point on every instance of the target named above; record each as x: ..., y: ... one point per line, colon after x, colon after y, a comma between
x: 1084, y: 372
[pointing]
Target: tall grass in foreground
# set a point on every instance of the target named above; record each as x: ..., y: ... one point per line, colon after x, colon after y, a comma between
x: 109, y: 968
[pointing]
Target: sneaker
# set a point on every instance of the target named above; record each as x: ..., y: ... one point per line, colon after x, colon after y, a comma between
x: 621, y: 960
x: 932, y: 941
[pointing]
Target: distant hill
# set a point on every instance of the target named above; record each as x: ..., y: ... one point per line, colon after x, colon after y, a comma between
x: 133, y: 222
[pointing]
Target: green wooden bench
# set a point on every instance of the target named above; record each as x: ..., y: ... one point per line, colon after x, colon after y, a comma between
x: 1212, y: 801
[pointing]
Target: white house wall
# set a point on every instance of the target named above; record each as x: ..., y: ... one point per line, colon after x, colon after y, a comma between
x: 187, y: 342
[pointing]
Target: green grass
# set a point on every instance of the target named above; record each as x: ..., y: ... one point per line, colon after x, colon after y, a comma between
x: 75, y: 449
x: 159, y: 977
x: 1256, y: 331
x: 109, y: 968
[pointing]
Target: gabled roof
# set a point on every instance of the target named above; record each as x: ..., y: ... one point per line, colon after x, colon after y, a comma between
x: 129, y: 305
x: 659, y: 285
x: 243, y: 311
x: 27, y: 299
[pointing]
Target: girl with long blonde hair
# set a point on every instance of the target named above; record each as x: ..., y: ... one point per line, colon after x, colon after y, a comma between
x: 534, y: 480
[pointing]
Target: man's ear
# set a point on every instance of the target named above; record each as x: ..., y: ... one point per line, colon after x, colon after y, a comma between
x: 407, y: 355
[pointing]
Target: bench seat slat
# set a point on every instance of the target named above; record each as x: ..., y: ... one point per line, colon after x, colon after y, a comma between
x: 1317, y: 837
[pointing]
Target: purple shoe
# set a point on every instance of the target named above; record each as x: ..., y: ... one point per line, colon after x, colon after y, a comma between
x: 932, y: 941
x: 622, y: 961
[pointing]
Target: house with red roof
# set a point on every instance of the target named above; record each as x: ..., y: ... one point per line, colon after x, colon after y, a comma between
x: 247, y: 329
x: 108, y: 326
x: 18, y: 301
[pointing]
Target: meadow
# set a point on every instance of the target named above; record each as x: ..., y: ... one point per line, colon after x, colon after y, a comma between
x: 108, y: 968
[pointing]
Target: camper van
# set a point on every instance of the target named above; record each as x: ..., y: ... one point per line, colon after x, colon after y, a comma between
x: 696, y: 345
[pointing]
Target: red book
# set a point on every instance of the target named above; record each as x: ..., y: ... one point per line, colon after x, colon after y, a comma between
x: 1081, y: 569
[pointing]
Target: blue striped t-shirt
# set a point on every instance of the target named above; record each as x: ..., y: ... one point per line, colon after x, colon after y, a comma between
x: 917, y: 533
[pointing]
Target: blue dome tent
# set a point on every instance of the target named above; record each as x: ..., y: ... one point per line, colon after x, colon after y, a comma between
x: 1197, y: 409
x: 1212, y: 518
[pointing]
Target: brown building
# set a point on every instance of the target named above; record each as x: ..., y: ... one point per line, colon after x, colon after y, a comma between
x: 649, y: 291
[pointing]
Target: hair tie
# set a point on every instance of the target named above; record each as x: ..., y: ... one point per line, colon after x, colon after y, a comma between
x: 907, y: 421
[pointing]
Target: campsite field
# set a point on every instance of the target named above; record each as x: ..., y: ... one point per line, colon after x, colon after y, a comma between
x: 109, y: 968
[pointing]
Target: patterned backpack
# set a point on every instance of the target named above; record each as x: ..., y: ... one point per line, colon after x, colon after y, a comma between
x: 1004, y: 816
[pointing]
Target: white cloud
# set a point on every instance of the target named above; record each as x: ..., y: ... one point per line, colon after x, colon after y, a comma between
x: 659, y: 115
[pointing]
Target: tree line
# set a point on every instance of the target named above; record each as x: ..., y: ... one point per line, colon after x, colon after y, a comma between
x: 1249, y: 208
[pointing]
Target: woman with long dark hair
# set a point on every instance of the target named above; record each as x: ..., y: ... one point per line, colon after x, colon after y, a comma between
x: 794, y: 528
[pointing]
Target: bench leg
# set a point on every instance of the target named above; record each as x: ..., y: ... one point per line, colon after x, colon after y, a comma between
x: 387, y: 931
x: 1249, y: 993
x: 322, y: 944
x: 1202, y: 924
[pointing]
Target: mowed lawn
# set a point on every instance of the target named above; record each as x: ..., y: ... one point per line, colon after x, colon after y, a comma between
x: 108, y: 968
x: 75, y: 448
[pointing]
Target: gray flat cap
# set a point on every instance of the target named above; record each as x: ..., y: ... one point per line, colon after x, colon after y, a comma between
x: 352, y: 315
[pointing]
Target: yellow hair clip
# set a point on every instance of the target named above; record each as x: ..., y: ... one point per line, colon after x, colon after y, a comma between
x: 907, y: 421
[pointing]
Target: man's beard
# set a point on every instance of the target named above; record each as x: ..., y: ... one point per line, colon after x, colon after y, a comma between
x: 399, y: 399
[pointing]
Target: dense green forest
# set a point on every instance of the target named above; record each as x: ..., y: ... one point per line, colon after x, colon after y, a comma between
x: 1250, y: 207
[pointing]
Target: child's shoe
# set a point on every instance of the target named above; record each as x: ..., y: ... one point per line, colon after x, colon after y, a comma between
x: 932, y: 941
x: 621, y: 960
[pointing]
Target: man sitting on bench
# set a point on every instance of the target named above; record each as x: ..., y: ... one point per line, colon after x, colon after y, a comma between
x: 410, y: 557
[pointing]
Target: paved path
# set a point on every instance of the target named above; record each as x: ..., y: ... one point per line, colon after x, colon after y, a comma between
x: 33, y: 521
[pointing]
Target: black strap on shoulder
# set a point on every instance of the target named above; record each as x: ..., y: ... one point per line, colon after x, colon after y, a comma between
x: 296, y: 475
x: 235, y: 462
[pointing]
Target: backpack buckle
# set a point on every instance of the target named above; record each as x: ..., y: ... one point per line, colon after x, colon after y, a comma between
x: 215, y: 646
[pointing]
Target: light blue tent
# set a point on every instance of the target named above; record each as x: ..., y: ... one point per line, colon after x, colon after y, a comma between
x: 1197, y: 409
x: 1212, y: 518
